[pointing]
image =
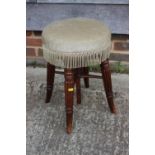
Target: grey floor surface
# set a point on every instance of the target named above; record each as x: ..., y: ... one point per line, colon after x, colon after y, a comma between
x: 96, y: 131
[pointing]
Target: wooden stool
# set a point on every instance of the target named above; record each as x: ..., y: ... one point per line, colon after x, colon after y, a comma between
x: 74, y: 44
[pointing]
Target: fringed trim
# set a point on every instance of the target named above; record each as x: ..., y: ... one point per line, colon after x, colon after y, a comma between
x: 75, y: 60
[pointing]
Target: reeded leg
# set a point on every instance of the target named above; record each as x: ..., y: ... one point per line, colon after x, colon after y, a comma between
x: 106, y: 75
x: 78, y: 86
x: 50, y: 81
x: 86, y: 79
x: 69, y: 93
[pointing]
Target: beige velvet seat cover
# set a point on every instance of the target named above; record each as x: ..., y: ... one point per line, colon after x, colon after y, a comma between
x: 76, y: 42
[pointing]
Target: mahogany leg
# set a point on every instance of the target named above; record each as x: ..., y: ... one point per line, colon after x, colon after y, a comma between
x: 69, y: 93
x: 86, y: 79
x: 106, y: 75
x: 50, y: 81
x: 78, y: 86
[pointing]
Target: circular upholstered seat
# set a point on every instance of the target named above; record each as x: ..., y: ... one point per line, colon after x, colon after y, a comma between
x: 76, y: 42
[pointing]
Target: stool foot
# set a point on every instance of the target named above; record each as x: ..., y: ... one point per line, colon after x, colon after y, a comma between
x: 50, y: 81
x: 69, y: 129
x: 106, y: 75
x: 78, y: 85
x: 69, y: 93
x: 86, y: 79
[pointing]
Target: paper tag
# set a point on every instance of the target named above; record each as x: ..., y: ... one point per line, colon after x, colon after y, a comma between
x: 70, y: 89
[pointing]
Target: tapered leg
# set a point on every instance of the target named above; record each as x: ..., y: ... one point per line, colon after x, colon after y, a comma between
x: 69, y: 93
x: 78, y: 85
x: 86, y: 79
x: 106, y: 75
x: 50, y: 81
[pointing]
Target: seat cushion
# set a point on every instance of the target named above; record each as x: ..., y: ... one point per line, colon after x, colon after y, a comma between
x: 76, y: 42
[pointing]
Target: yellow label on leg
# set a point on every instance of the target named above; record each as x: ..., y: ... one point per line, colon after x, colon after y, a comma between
x: 70, y: 89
